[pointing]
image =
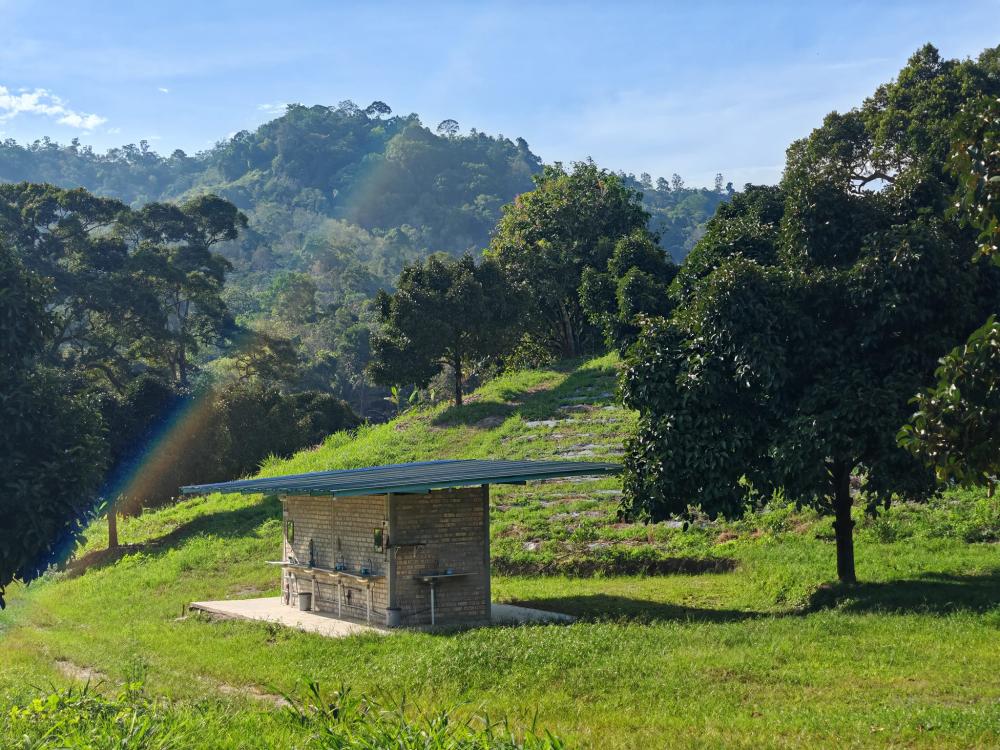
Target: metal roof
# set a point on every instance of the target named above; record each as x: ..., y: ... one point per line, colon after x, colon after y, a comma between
x: 415, y: 477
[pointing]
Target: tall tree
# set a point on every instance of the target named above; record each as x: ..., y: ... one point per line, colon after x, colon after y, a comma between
x: 100, y: 302
x: 549, y: 236
x: 811, y: 315
x: 445, y: 312
x: 635, y: 284
x: 176, y: 249
x: 51, y: 443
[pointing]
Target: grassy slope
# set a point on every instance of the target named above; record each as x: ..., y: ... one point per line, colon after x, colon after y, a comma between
x: 761, y: 656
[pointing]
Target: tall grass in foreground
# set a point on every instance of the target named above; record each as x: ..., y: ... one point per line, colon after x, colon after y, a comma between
x: 84, y: 719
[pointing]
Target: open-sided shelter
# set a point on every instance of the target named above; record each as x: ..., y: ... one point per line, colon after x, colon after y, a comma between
x: 404, y: 544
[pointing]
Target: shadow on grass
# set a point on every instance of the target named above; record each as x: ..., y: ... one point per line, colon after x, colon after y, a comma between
x: 586, y: 567
x: 930, y: 593
x: 223, y: 523
x: 598, y: 607
x: 531, y: 403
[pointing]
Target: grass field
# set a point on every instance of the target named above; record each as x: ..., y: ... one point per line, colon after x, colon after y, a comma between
x: 762, y: 652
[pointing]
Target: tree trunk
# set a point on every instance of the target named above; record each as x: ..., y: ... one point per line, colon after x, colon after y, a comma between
x: 457, y: 366
x: 112, y: 528
x: 569, y: 349
x: 843, y: 524
x: 182, y: 366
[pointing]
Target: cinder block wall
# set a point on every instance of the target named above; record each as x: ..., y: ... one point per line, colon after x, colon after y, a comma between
x: 341, y: 526
x: 453, y: 527
x: 427, y: 532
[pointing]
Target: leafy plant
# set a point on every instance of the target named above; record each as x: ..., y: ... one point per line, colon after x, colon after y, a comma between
x: 957, y: 426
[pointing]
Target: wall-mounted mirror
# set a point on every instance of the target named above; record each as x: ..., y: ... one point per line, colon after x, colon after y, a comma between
x: 289, y: 531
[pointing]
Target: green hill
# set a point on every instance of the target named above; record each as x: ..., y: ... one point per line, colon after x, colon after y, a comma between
x: 750, y: 647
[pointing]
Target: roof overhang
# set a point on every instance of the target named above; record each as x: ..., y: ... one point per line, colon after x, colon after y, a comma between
x: 407, y: 478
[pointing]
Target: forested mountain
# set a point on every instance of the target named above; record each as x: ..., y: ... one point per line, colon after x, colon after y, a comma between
x: 338, y: 200
x: 321, y: 181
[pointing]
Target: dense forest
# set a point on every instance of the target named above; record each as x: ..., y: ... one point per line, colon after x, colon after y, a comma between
x: 338, y: 201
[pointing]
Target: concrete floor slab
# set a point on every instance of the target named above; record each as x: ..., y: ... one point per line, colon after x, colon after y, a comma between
x: 272, y: 609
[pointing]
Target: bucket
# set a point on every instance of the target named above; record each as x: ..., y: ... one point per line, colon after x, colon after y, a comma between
x: 305, y: 601
x: 393, y: 617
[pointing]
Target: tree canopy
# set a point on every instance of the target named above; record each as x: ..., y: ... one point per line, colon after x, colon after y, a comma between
x: 810, y: 314
x: 444, y: 312
x: 549, y: 236
x: 51, y: 438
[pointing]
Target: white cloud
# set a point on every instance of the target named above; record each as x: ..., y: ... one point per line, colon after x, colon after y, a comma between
x: 275, y: 109
x: 113, y: 131
x: 46, y: 104
x: 163, y: 90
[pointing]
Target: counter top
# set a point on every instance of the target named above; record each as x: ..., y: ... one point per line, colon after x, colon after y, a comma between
x: 327, y: 571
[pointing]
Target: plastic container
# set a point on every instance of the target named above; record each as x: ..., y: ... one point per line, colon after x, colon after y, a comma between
x: 393, y: 617
x: 305, y: 601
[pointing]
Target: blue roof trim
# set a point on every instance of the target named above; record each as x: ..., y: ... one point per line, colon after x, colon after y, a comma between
x: 413, y: 477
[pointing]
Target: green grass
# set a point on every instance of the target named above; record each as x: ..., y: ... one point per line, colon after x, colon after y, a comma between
x: 768, y: 654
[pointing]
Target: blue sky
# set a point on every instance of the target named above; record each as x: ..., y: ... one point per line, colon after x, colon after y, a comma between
x: 694, y: 88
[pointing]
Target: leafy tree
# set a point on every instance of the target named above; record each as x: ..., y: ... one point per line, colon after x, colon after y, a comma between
x: 448, y: 128
x: 187, y: 275
x: 353, y: 354
x: 261, y: 357
x: 635, y: 284
x: 810, y: 316
x: 50, y: 441
x: 292, y: 297
x: 100, y: 300
x: 549, y: 236
x: 957, y: 425
x: 976, y: 163
x: 445, y: 312
x: 377, y: 109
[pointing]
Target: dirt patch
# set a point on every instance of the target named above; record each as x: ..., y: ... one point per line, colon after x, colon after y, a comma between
x: 726, y: 536
x: 76, y: 672
x: 488, y: 423
x: 253, y: 692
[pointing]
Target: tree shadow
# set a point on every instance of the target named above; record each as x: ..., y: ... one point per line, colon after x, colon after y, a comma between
x: 484, y: 414
x: 929, y: 593
x: 223, y: 523
x: 603, y: 607
x: 533, y: 404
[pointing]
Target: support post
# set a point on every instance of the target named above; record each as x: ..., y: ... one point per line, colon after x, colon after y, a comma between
x: 486, y: 550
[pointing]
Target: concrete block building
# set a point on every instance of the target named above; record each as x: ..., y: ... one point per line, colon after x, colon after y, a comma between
x: 398, y: 545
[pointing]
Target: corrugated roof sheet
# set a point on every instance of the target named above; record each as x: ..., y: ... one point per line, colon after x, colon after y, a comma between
x: 415, y: 477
